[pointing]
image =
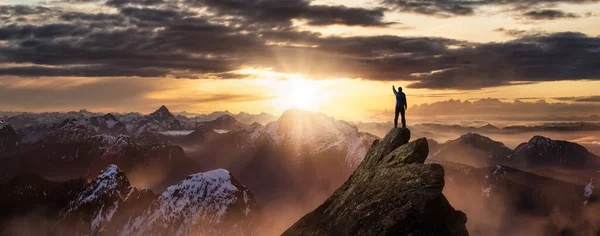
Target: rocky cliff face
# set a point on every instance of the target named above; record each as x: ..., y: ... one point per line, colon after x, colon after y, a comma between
x: 391, y: 193
x: 8, y: 137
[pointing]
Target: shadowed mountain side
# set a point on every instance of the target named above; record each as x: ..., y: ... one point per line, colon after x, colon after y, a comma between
x: 391, y: 193
x: 505, y: 201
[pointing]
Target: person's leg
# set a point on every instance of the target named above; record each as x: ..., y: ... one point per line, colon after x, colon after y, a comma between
x: 403, y: 117
x: 396, y: 117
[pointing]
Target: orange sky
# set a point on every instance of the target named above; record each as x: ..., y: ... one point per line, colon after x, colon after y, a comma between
x: 265, y: 89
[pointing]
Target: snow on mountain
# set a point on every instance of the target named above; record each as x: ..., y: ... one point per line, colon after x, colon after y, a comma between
x: 262, y: 118
x: 312, y: 133
x: 588, y: 190
x: 76, y: 130
x: 160, y: 120
x: 209, y: 203
x: 98, y: 202
x: 111, y: 146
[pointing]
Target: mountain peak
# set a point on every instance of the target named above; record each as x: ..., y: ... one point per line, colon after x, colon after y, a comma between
x: 475, y: 137
x: 489, y: 126
x: 195, y: 204
x: 110, y: 172
x: 538, y: 139
x: 392, y: 173
x: 162, y: 113
x: 542, y: 151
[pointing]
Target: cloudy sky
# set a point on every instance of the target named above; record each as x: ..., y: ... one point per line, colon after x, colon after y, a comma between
x: 338, y: 57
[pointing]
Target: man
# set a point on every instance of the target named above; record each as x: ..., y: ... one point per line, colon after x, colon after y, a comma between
x: 400, y: 106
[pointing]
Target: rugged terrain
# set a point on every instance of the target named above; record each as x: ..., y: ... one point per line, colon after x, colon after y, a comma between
x: 391, y: 193
x: 212, y: 203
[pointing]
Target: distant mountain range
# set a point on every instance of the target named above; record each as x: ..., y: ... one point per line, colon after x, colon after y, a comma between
x: 287, y: 150
x: 301, y: 157
x: 539, y: 152
x: 430, y: 129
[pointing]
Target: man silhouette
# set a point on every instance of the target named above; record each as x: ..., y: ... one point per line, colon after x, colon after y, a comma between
x: 400, y: 106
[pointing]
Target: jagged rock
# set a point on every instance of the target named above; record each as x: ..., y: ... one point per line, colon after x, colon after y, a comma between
x: 391, y: 193
x: 94, y: 206
x: 8, y: 137
x: 103, y: 206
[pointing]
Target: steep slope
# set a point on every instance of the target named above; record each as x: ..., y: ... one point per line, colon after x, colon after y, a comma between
x: 545, y: 152
x: 509, y: 201
x: 302, y: 154
x: 306, y: 133
x: 472, y: 149
x: 9, y: 139
x: 95, y: 206
x: 391, y: 193
x: 209, y: 203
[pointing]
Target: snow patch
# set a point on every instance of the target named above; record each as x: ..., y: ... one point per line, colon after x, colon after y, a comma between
x: 221, y: 131
x: 175, y: 132
x: 587, y: 191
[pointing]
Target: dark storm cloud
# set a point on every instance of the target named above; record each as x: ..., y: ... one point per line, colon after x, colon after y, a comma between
x: 82, y: 71
x: 548, y: 15
x: 281, y: 12
x: 120, y: 3
x: 153, y: 39
x: 22, y: 10
x: 555, y: 57
x: 45, y: 31
x: 447, y: 8
x: 80, y: 16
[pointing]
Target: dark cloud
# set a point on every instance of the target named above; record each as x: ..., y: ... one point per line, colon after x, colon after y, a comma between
x: 448, y: 8
x: 512, y: 32
x: 560, y: 56
x: 82, y: 71
x: 81, y: 16
x: 45, y: 31
x: 548, y: 15
x: 580, y: 99
x: 121, y: 3
x: 22, y: 10
x: 154, y: 39
x: 281, y: 12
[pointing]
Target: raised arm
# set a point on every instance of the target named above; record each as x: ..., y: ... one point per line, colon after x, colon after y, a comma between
x: 394, y: 89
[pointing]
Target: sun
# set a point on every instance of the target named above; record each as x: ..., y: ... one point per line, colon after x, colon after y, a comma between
x: 304, y: 94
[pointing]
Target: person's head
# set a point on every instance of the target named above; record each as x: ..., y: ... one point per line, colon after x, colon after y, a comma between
x: 399, y: 89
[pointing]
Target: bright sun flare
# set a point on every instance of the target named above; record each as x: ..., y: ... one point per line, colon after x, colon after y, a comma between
x: 292, y: 90
x: 299, y: 93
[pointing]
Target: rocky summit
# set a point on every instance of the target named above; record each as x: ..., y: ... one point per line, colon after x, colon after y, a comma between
x: 391, y: 193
